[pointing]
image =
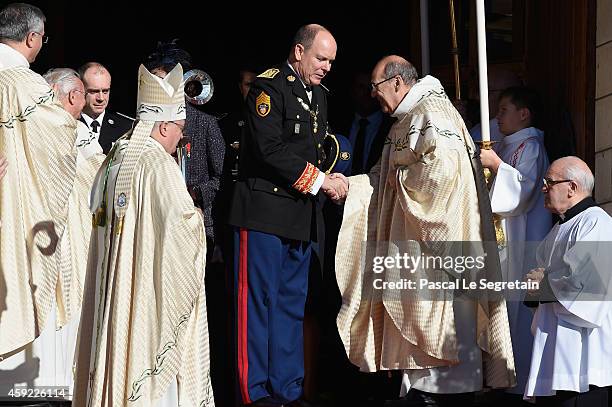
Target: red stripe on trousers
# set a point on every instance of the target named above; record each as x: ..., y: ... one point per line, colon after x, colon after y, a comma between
x: 243, y: 356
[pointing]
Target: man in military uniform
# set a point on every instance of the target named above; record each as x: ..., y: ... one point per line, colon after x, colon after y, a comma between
x: 275, y: 212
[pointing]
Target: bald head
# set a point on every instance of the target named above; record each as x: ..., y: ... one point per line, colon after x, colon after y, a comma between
x: 577, y: 170
x: 393, y: 65
x: 392, y: 78
x: 306, y: 34
x: 312, y: 53
x: 571, y: 181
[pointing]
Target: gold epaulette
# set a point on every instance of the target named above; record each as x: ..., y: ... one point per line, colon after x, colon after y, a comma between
x: 270, y: 73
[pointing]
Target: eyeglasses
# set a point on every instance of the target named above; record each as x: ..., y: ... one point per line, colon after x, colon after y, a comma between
x: 374, y: 86
x: 548, y: 183
x: 45, y: 38
x: 80, y: 91
x: 181, y: 128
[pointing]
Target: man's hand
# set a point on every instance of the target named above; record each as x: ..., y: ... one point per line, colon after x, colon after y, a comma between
x: 536, y: 276
x: 3, y: 166
x: 490, y: 160
x: 337, y: 175
x: 335, y: 186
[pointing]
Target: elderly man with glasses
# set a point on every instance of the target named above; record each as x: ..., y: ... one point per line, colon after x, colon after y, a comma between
x: 146, y: 340
x: 421, y: 197
x: 38, y: 139
x: 572, y: 326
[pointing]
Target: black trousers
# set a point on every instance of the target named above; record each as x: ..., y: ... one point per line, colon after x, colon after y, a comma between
x: 418, y: 398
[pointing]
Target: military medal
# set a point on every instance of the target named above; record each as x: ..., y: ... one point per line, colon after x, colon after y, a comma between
x: 313, y: 114
x: 315, y: 124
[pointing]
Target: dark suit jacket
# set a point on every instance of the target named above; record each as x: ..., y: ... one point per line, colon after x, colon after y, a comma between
x: 377, y: 144
x: 204, y: 161
x: 275, y: 151
x: 114, y: 126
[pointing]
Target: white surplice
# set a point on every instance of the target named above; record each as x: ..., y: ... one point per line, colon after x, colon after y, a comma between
x: 48, y: 361
x: 572, y: 337
x: 517, y: 197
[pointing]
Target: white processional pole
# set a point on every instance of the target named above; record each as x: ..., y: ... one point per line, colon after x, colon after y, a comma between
x: 486, y: 143
x: 482, y: 71
x: 424, y: 9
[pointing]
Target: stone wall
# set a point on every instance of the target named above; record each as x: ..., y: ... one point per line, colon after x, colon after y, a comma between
x: 603, y: 106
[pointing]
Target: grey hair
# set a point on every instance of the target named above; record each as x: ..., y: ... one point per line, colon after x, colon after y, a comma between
x: 19, y: 19
x: 64, y: 80
x: 583, y: 177
x: 402, y: 68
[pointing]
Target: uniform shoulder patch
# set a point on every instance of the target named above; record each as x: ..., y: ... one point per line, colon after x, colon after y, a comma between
x: 263, y: 104
x: 270, y: 73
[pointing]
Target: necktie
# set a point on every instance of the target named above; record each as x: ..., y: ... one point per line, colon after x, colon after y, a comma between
x: 94, y: 126
x: 358, y: 151
x: 308, y: 89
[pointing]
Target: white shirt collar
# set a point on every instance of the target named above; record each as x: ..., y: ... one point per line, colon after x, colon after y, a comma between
x: 11, y: 58
x: 88, y: 119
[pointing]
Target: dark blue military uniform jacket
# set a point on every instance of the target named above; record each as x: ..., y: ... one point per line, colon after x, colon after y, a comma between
x: 280, y: 156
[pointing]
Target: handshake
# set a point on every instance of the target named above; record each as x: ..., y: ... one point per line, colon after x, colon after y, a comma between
x: 335, y: 186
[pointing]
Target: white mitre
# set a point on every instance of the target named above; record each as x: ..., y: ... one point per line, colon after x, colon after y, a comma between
x: 160, y: 99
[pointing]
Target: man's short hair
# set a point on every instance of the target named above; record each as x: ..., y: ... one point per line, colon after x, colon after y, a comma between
x: 92, y: 65
x: 404, y: 69
x: 19, y: 19
x: 306, y: 34
x: 65, y: 79
x: 523, y: 97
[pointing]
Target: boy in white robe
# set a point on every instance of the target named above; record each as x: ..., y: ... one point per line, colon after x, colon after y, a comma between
x: 516, y: 198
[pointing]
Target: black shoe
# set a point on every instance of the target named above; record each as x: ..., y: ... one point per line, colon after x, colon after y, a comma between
x: 300, y: 403
x: 265, y: 402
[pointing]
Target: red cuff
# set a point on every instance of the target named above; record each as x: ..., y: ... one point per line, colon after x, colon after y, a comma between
x: 305, y: 182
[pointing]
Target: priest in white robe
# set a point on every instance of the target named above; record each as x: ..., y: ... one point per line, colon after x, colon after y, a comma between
x: 519, y: 166
x: 143, y: 335
x: 418, y: 200
x: 53, y: 351
x: 37, y: 138
x: 572, y: 326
